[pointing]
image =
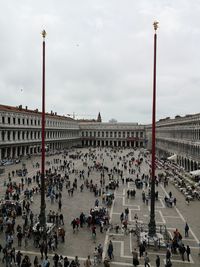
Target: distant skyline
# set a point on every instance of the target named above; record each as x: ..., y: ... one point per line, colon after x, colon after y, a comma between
x: 99, y: 57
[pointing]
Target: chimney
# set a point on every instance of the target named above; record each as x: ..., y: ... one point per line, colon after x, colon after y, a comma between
x: 55, y: 113
x: 20, y: 107
x: 51, y: 112
x: 26, y: 107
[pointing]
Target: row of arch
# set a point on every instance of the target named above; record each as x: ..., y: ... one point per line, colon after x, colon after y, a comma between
x: 188, y: 164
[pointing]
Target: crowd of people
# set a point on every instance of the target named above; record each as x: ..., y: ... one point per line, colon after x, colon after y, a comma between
x: 20, y: 224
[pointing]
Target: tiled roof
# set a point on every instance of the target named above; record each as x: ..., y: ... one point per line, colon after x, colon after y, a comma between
x: 20, y: 109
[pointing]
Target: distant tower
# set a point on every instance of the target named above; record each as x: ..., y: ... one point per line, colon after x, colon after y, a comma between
x: 99, y: 118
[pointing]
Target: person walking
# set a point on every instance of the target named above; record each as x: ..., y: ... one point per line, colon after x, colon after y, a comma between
x: 168, y: 255
x: 146, y: 260
x: 188, y: 252
x: 157, y: 261
x: 56, y: 259
x: 141, y: 249
x: 87, y: 262
x: 135, y: 257
x: 19, y: 258
x: 110, y: 250
x: 36, y: 261
x: 187, y: 230
x: 66, y: 262
x: 182, y: 251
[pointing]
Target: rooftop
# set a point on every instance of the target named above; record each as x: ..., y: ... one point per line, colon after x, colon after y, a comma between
x: 25, y: 110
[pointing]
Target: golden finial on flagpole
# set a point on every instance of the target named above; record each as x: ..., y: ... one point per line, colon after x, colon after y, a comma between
x: 44, y: 34
x: 155, y: 25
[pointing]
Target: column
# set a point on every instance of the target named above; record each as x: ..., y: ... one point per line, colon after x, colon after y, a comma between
x: 6, y: 152
x: 11, y: 136
x: 24, y: 151
x: 20, y: 150
x: 6, y: 136
x: 11, y: 152
x: 16, y: 152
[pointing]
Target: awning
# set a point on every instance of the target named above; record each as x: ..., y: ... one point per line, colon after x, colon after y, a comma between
x: 173, y: 157
x: 195, y: 173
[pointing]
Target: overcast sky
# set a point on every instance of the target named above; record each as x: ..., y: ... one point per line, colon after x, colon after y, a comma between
x: 99, y: 56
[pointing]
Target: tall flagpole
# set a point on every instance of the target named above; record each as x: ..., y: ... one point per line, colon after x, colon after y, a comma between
x: 152, y: 223
x: 43, y: 204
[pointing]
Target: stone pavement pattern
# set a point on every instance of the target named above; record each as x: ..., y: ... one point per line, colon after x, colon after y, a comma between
x: 81, y: 242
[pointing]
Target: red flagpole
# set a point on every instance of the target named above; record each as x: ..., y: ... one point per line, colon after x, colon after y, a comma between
x: 43, y: 204
x: 152, y: 223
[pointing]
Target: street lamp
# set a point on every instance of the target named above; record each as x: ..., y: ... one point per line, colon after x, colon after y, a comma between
x: 43, y: 204
x: 152, y: 223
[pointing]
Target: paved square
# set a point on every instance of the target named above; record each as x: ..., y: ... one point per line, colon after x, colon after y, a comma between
x: 81, y: 242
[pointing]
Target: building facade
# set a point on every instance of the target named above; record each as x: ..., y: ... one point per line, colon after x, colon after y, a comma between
x: 112, y: 134
x: 179, y: 137
x: 20, y: 132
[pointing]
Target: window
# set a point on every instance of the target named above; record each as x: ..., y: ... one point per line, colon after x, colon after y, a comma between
x: 90, y: 133
x: 14, y: 120
x: 102, y: 134
x: 141, y: 134
x: 31, y: 122
x: 132, y: 134
x: 111, y: 134
x: 19, y: 120
x: 23, y: 121
x: 82, y: 133
x: 86, y: 133
x: 128, y: 134
x: 123, y: 134
x: 119, y: 134
x: 136, y: 134
x: 8, y: 120
x: 35, y: 122
x: 3, y: 119
x: 27, y: 121
x: 98, y: 134
x: 106, y: 134
x: 115, y: 134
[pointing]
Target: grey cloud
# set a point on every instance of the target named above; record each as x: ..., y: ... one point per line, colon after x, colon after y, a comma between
x: 99, y: 56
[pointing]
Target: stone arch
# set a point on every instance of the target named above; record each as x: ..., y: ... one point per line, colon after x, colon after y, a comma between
x: 195, y: 166
x: 191, y: 165
x: 188, y: 165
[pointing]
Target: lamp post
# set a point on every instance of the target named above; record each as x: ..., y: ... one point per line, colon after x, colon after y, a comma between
x: 152, y: 223
x: 43, y: 204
